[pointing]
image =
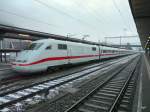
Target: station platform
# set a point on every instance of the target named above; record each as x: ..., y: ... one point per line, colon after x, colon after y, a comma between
x: 145, y: 85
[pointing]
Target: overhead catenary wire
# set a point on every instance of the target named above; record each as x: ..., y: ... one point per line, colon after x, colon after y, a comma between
x: 95, y: 15
x: 99, y: 17
x: 25, y: 17
x: 66, y: 14
x: 121, y: 15
x: 91, y: 12
x: 92, y: 15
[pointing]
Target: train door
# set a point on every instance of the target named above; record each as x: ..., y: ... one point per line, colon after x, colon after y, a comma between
x: 69, y: 53
x: 99, y: 52
x: 59, y: 52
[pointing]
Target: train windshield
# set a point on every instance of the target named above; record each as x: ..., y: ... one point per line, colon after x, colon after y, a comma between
x: 34, y: 46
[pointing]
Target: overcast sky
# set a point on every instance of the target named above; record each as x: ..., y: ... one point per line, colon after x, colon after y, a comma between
x: 97, y: 18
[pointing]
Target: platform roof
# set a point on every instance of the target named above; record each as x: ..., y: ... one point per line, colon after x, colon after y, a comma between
x: 25, y: 34
x: 141, y: 13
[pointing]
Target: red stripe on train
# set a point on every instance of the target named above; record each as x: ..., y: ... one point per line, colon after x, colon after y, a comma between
x: 59, y: 58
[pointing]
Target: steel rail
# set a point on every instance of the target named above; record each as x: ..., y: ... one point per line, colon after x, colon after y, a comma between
x: 90, y: 67
x: 44, y: 89
x: 82, y: 100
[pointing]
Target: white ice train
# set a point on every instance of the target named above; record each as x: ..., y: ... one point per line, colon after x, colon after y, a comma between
x: 44, y: 54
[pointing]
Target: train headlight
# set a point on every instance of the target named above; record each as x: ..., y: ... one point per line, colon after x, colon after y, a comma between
x: 22, y: 61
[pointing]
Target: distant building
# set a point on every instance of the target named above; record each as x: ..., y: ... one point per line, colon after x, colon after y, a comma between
x: 14, y: 44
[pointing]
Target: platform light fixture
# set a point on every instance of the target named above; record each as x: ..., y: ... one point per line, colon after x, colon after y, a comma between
x: 24, y: 35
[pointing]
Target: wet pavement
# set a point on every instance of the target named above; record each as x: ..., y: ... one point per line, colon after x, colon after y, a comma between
x: 146, y: 84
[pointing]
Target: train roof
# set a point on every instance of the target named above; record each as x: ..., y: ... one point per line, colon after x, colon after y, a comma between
x: 58, y: 41
x: 69, y: 42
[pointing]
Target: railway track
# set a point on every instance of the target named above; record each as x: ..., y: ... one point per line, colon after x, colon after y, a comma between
x: 17, y: 77
x: 18, y: 81
x: 12, y: 97
x: 115, y: 94
x: 4, y: 69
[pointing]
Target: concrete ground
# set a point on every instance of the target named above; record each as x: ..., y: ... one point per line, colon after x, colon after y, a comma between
x: 145, y: 91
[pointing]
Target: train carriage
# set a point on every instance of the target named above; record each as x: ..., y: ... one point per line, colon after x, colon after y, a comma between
x: 47, y: 53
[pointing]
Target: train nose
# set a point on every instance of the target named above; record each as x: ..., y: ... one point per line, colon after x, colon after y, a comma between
x: 21, y: 69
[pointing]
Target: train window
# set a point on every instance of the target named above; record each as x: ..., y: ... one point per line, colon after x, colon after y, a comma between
x: 34, y: 46
x: 49, y: 47
x: 107, y: 51
x: 104, y: 51
x: 62, y: 46
x: 93, y: 48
